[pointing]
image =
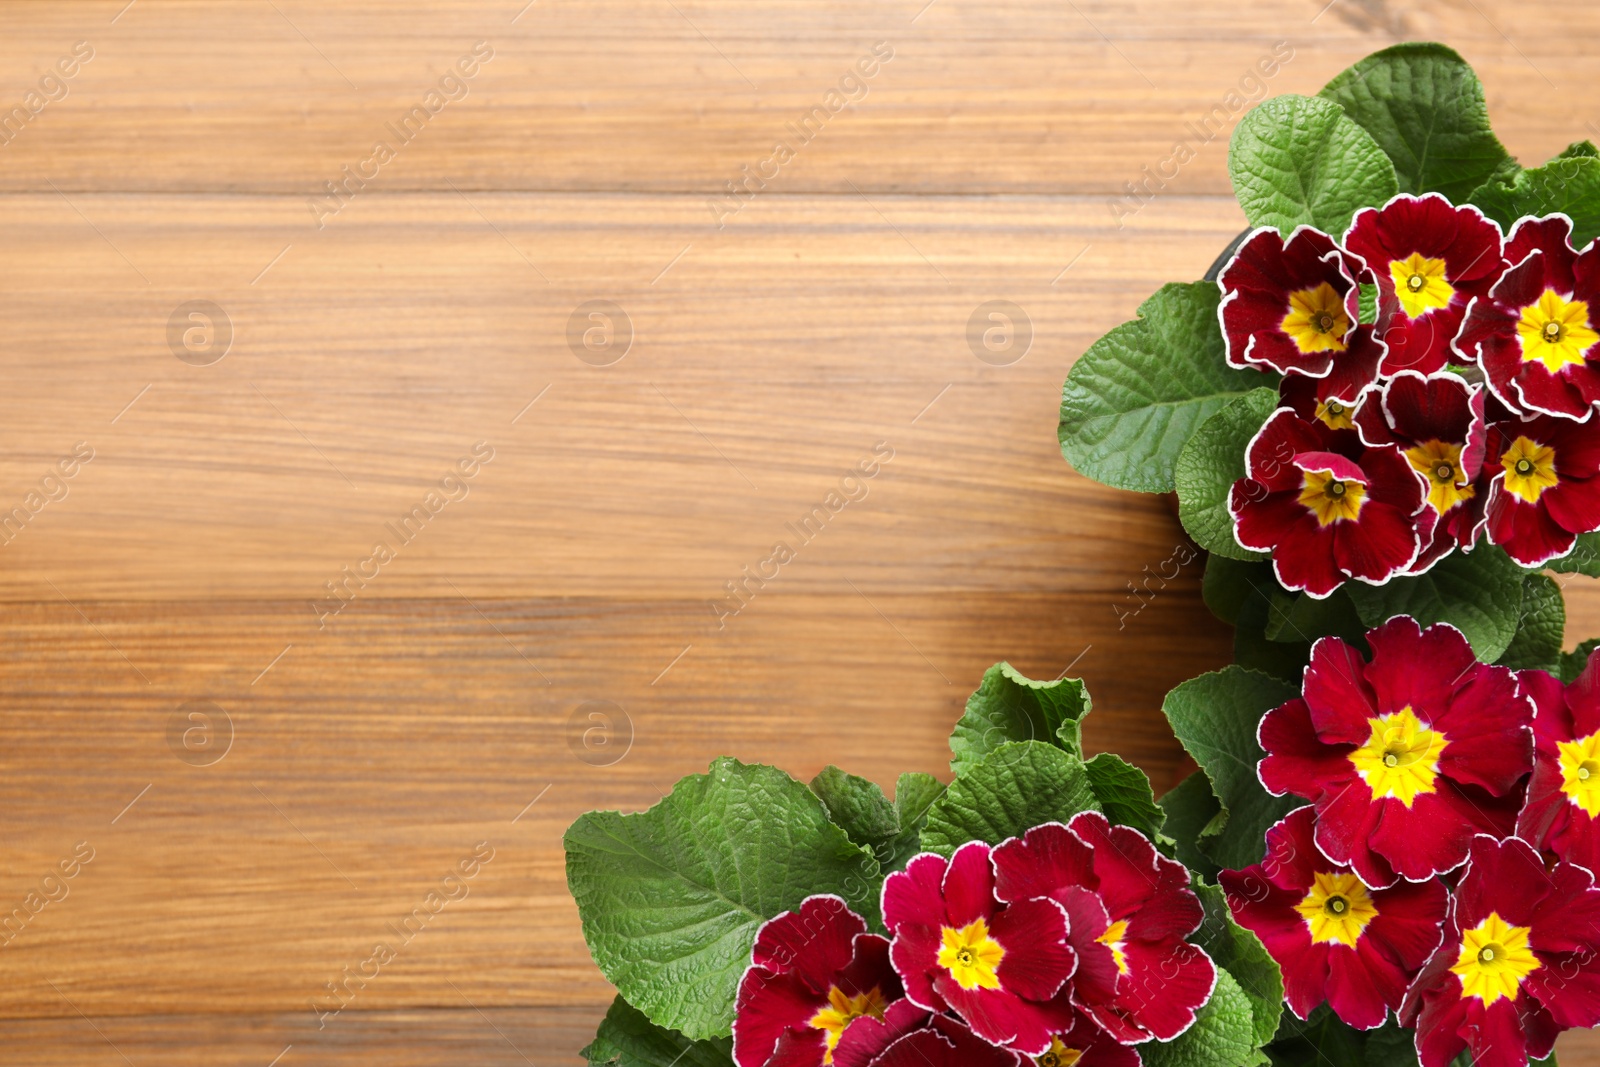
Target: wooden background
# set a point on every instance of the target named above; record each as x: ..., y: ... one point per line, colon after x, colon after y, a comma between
x: 769, y: 355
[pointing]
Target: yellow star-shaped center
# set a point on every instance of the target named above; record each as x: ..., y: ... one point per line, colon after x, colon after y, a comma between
x: 1401, y: 757
x: 1555, y: 331
x: 1331, y: 499
x: 1580, y: 772
x: 1440, y: 463
x: 1494, y: 960
x: 1419, y: 284
x: 1317, y: 320
x: 1530, y: 469
x: 1337, y: 908
x: 971, y: 956
x: 842, y: 1010
x: 1059, y: 1055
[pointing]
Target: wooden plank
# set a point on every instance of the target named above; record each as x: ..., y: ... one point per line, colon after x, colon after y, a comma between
x: 773, y: 348
x: 366, y: 363
x: 365, y: 763
x: 492, y: 1037
x: 1018, y: 96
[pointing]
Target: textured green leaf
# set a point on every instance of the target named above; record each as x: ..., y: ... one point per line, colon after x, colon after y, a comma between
x: 1541, y: 629
x: 859, y: 808
x: 1015, y: 787
x: 1583, y: 559
x: 1133, y: 399
x: 1477, y: 592
x: 1573, y: 663
x: 1242, y: 593
x: 627, y: 1039
x: 1367, y: 303
x: 890, y: 831
x: 1391, y: 1045
x: 1579, y: 150
x: 1570, y: 185
x: 1281, y: 659
x: 1189, y: 807
x: 1008, y: 706
x: 1245, y: 957
x: 1223, y: 1034
x: 1215, y: 718
x: 671, y: 898
x: 1124, y: 793
x: 1229, y: 586
x: 1208, y: 466
x: 1424, y: 107
x: 1322, y: 1041
x: 1298, y: 160
x: 914, y: 794
x: 1296, y: 617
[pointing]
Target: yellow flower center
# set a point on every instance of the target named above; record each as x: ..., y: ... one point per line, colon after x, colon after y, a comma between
x: 1555, y: 331
x: 1401, y: 758
x: 842, y: 1009
x: 1059, y: 1055
x: 1115, y: 938
x: 1440, y: 462
x: 1530, y: 469
x: 1329, y: 498
x: 1335, y: 414
x: 971, y: 956
x: 1317, y: 320
x: 1494, y: 960
x: 1580, y: 772
x: 1337, y: 908
x: 1419, y: 284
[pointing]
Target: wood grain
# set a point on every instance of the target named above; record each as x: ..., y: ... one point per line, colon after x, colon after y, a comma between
x: 772, y: 351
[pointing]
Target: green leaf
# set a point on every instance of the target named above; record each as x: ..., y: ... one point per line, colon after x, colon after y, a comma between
x: 859, y: 808
x: 1280, y: 659
x: 1541, y: 629
x: 1215, y: 718
x: 1208, y: 466
x: 1190, y: 806
x: 1367, y: 303
x: 1583, y: 559
x: 1229, y: 585
x: 1296, y: 617
x: 891, y: 832
x: 1322, y: 1041
x: 1246, y: 958
x: 1573, y: 663
x: 1391, y: 1045
x: 1579, y: 150
x: 671, y: 898
x: 1424, y: 107
x: 1570, y: 185
x: 1009, y: 706
x: 1477, y: 592
x: 1133, y: 399
x: 627, y: 1039
x: 1015, y: 787
x: 1124, y: 793
x: 1298, y: 160
x: 1222, y: 1035
x: 914, y: 794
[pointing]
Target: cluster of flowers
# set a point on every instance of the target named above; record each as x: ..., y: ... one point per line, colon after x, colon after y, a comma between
x: 1380, y: 460
x: 1065, y: 946
x: 1443, y: 869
